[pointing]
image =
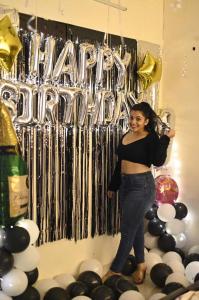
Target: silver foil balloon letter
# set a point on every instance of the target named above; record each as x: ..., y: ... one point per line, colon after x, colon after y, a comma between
x: 28, y: 93
x: 121, y: 65
x: 37, y: 57
x: 105, y: 62
x: 10, y: 96
x: 47, y: 104
x: 87, y: 59
x: 68, y: 53
x: 75, y: 108
x: 121, y: 110
x: 104, y: 108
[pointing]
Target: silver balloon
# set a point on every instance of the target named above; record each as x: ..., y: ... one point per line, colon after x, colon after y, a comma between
x: 75, y: 108
x: 105, y: 62
x: 121, y: 65
x: 47, y: 104
x: 28, y: 93
x: 10, y: 96
x: 68, y: 54
x: 87, y: 59
x: 121, y: 110
x: 132, y: 99
x: 34, y: 55
x: 48, y: 58
x: 103, y: 109
x: 37, y: 56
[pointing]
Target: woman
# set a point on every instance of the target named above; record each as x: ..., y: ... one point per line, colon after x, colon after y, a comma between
x: 138, y: 149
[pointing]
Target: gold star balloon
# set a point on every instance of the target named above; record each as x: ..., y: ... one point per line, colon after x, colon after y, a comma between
x: 150, y: 71
x: 10, y: 44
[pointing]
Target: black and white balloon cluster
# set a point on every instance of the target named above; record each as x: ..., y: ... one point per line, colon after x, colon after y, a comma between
x: 166, y: 226
x: 18, y: 261
x: 167, y: 264
x: 87, y: 285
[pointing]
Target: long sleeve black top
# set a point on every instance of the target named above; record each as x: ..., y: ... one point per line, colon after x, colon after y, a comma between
x: 147, y: 151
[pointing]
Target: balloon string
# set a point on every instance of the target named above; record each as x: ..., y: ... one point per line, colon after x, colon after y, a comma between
x: 120, y: 25
x: 106, y: 34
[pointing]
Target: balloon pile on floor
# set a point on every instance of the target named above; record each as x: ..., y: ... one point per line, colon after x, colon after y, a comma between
x: 168, y: 266
x: 88, y: 285
x: 18, y: 261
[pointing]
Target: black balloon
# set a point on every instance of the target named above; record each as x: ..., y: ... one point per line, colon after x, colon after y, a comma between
x: 171, y: 287
x: 191, y: 257
x: 56, y: 293
x: 90, y: 279
x: 77, y: 288
x: 30, y: 294
x: 102, y: 292
x: 112, y: 281
x: 6, y: 261
x: 159, y: 274
x: 180, y: 252
x: 124, y: 285
x: 196, y: 277
x: 166, y: 242
x: 17, y: 239
x: 156, y: 227
x: 151, y: 213
x: 32, y: 276
x: 181, y: 210
x: 130, y: 265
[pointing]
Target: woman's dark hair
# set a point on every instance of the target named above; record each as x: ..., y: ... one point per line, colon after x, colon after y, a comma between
x: 149, y: 114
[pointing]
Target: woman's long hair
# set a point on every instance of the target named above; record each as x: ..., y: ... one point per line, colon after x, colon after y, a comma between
x: 149, y: 113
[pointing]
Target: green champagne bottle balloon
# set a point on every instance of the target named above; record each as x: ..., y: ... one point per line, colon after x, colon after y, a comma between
x: 13, y: 173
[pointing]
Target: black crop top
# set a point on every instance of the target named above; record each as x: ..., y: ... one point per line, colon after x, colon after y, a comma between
x: 146, y: 151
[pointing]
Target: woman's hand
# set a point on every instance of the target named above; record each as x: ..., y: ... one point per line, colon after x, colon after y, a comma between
x: 170, y: 133
x: 110, y: 194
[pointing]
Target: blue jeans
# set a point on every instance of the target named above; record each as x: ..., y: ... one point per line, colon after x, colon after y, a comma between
x: 136, y: 195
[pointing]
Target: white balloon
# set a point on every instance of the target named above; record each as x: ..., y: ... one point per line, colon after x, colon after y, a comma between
x: 157, y: 251
x: 150, y: 241
x: 181, y: 240
x: 81, y: 298
x: 177, y: 277
x: 151, y: 260
x: 64, y: 279
x: 44, y: 285
x: 31, y: 227
x: 176, y: 266
x: 194, y: 249
x: 4, y: 296
x: 14, y: 283
x: 191, y: 270
x: 157, y: 296
x: 27, y: 260
x: 91, y: 265
x: 175, y: 226
x: 166, y: 212
x: 171, y: 255
x: 129, y: 295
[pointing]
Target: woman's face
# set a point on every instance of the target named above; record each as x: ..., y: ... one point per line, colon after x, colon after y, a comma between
x: 137, y: 121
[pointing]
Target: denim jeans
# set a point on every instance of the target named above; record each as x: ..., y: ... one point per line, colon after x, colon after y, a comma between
x: 136, y: 195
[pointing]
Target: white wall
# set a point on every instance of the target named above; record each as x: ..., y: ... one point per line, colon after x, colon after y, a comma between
x: 142, y: 21
x: 180, y: 89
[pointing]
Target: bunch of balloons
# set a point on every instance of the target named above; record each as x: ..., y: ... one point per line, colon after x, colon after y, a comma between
x: 18, y: 261
x: 88, y: 285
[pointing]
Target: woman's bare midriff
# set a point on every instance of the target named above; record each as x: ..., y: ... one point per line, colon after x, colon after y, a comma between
x: 128, y: 167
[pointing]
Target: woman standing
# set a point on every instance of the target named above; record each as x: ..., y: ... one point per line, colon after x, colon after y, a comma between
x: 138, y: 149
